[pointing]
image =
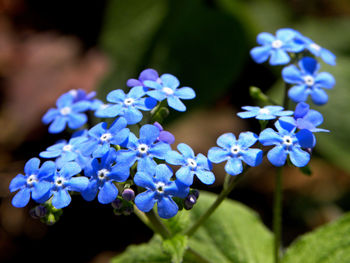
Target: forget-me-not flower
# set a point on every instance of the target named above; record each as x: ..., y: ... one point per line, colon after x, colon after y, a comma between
x: 308, y: 81
x: 144, y: 149
x: 64, y: 151
x: 32, y: 183
x: 168, y: 89
x: 102, y: 174
x: 147, y: 74
x: 265, y: 113
x: 287, y: 143
x: 276, y: 47
x: 190, y: 165
x: 235, y: 151
x: 81, y: 95
x: 101, y: 137
x: 128, y: 105
x: 316, y: 50
x: 159, y: 189
x: 64, y: 181
x: 67, y: 112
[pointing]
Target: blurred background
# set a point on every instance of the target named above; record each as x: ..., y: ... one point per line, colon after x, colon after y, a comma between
x: 50, y: 47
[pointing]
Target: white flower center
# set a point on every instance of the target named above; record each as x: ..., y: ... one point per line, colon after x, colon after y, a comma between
x: 191, y: 163
x: 128, y: 101
x: 277, y: 43
x: 287, y: 140
x: 264, y: 111
x: 73, y: 92
x: 102, y: 174
x: 168, y: 91
x: 235, y: 149
x: 142, y: 148
x: 31, y: 179
x: 67, y: 148
x: 309, y: 80
x: 59, y: 181
x: 65, y: 111
x: 315, y: 46
x: 106, y: 137
x: 160, y: 187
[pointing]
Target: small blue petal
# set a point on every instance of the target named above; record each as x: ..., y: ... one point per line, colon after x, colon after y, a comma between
x: 61, y: 199
x: 299, y: 157
x: 206, y: 177
x: 18, y: 182
x: 185, y: 93
x: 319, y: 96
x: 176, y: 103
x: 108, y: 193
x: 252, y: 157
x: 170, y: 81
x: 234, y: 166
x: 218, y: 155
x: 145, y: 200
x: 226, y: 140
x: 277, y: 156
x: 32, y: 166
x: 269, y: 137
x: 184, y: 175
x: 21, y: 199
x: 298, y: 93
x: 167, y: 208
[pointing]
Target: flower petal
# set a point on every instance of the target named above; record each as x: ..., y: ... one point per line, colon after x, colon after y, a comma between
x: 234, y: 166
x: 218, y: 155
x: 299, y: 157
x: 21, y: 199
x: 167, y: 208
x: 176, y: 103
x: 277, y: 156
x: 108, y: 193
x: 61, y: 199
x: 145, y: 201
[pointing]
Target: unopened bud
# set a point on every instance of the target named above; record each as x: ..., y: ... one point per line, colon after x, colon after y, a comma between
x: 117, y: 204
x: 128, y: 194
x: 190, y: 201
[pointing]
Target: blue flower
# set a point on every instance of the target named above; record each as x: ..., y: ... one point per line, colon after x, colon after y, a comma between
x: 102, y: 175
x: 287, y: 143
x: 143, y: 150
x: 98, y: 107
x: 191, y: 165
x: 64, y: 151
x: 147, y: 74
x: 265, y: 113
x: 101, y: 137
x: 64, y: 181
x: 168, y: 89
x: 308, y: 81
x: 276, y: 47
x: 32, y: 183
x: 164, y: 136
x: 81, y: 95
x: 67, y: 112
x: 160, y: 190
x: 304, y: 118
x: 128, y: 105
x: 317, y: 50
x: 235, y: 151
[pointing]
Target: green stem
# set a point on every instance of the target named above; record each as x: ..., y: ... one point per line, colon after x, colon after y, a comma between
x: 221, y: 197
x: 277, y: 215
x: 198, y: 256
x: 157, y: 224
x: 285, y: 98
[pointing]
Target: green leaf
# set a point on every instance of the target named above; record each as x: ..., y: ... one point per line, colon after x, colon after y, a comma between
x: 327, y: 244
x: 176, y: 247
x: 234, y: 233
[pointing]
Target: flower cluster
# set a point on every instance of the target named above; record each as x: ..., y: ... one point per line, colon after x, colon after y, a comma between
x: 111, y: 162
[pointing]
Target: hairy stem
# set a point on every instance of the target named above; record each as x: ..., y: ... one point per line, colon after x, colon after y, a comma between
x: 221, y: 197
x: 277, y: 215
x: 157, y: 224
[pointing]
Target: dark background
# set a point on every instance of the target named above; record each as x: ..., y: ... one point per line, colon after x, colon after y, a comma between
x: 49, y: 47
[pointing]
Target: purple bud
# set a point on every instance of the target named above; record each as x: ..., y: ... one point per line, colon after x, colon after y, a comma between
x: 190, y: 201
x: 38, y: 212
x: 195, y: 192
x: 128, y: 194
x: 165, y: 136
x: 117, y: 204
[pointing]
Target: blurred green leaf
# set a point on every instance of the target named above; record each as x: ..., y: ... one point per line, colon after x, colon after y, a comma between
x: 176, y: 247
x: 234, y: 233
x: 328, y: 244
x: 128, y: 31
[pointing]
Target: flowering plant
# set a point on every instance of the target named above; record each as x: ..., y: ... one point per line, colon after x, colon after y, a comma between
x: 126, y: 159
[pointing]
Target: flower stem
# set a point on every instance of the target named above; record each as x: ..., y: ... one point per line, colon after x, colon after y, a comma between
x: 277, y: 215
x: 221, y: 197
x: 157, y: 224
